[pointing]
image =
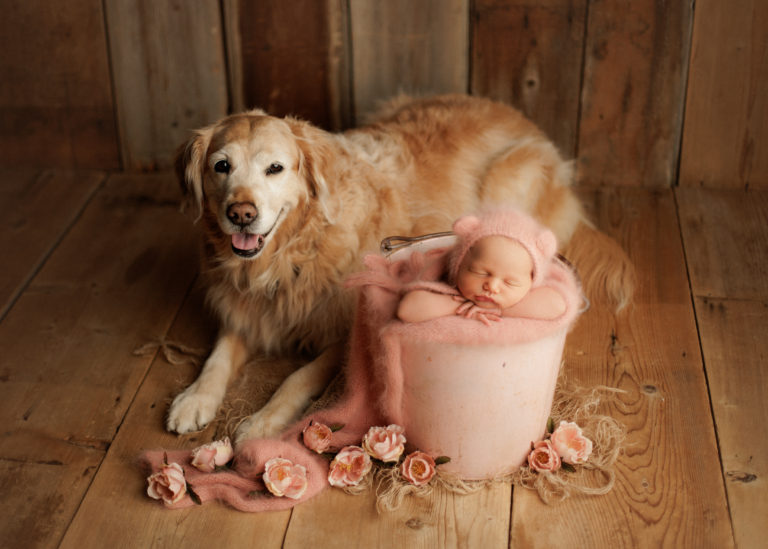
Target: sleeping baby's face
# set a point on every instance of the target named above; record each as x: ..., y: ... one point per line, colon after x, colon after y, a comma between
x: 497, y: 272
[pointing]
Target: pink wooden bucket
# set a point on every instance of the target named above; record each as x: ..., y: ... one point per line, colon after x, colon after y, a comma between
x: 481, y: 404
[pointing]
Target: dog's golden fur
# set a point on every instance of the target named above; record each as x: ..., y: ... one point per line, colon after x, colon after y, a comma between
x: 412, y: 170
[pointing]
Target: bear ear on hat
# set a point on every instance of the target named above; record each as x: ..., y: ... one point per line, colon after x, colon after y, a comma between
x: 465, y: 225
x: 546, y: 243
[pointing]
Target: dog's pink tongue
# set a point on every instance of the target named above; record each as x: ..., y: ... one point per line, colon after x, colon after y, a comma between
x: 243, y: 241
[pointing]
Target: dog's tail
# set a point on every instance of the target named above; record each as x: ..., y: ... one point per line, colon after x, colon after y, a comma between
x: 606, y: 271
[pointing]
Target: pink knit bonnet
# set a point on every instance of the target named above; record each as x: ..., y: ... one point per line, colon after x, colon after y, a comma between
x: 538, y: 241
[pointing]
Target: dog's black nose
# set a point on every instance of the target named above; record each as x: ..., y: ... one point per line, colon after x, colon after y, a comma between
x: 242, y: 213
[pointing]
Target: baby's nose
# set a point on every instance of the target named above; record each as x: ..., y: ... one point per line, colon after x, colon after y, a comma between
x: 493, y: 285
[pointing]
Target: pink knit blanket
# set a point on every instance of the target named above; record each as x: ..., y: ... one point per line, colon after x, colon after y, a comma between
x: 373, y: 377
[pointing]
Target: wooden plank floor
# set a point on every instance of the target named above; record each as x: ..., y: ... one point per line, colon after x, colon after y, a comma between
x: 92, y: 273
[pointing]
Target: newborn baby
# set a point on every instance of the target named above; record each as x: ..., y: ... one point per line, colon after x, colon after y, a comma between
x: 497, y: 268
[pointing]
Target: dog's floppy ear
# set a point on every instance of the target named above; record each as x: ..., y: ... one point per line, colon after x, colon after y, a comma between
x: 316, y: 157
x: 190, y: 164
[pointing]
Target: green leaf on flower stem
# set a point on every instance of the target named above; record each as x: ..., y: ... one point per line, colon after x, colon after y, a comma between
x: 193, y: 495
x: 336, y: 427
x: 441, y: 460
x: 550, y: 425
x: 568, y: 467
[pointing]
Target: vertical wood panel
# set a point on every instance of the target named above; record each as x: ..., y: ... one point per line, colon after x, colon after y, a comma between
x: 726, y: 118
x: 634, y: 76
x: 56, y: 107
x: 294, y: 59
x: 529, y: 54
x: 411, y: 47
x: 169, y: 73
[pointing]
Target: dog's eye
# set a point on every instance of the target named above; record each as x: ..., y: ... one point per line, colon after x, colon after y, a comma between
x: 222, y: 166
x: 274, y: 168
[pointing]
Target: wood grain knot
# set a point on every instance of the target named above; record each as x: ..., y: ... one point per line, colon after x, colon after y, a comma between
x: 741, y: 476
x: 414, y: 524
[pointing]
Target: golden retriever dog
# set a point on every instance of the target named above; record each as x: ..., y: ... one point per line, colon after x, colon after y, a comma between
x: 288, y: 210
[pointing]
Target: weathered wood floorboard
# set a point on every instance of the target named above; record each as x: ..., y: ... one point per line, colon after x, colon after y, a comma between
x: 726, y: 237
x: 79, y: 407
x: 669, y: 489
x: 438, y: 520
x: 120, y: 482
x: 36, y: 208
x: 68, y: 375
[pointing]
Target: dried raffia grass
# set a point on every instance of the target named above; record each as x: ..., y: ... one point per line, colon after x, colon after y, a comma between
x: 174, y: 352
x: 392, y: 488
x: 363, y: 486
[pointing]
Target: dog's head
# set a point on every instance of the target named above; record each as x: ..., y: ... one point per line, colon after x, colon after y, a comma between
x: 250, y: 171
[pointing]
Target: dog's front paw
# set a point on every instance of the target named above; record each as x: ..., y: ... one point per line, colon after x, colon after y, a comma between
x: 191, y: 411
x: 262, y: 424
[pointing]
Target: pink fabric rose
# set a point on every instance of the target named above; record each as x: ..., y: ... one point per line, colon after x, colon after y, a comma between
x: 167, y: 484
x: 283, y: 478
x: 317, y: 437
x: 570, y: 444
x: 418, y: 468
x: 543, y: 457
x: 349, y: 467
x: 385, y: 443
x: 215, y: 454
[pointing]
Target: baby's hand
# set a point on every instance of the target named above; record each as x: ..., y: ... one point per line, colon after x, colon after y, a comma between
x: 469, y: 310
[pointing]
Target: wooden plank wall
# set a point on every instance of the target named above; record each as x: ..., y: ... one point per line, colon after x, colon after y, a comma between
x: 56, y: 102
x: 169, y: 74
x: 109, y: 84
x: 726, y: 123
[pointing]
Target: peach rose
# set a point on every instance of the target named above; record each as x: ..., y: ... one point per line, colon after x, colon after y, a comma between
x: 570, y: 444
x: 543, y: 457
x: 349, y: 467
x: 215, y: 454
x: 317, y: 437
x: 418, y: 468
x: 167, y: 484
x: 283, y: 478
x: 385, y: 443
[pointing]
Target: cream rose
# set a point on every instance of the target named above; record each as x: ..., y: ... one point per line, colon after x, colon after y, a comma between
x: 317, y: 437
x: 570, y: 444
x: 418, y: 468
x: 167, y: 484
x: 543, y: 457
x: 385, y: 443
x: 215, y: 454
x: 349, y: 467
x: 283, y: 478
